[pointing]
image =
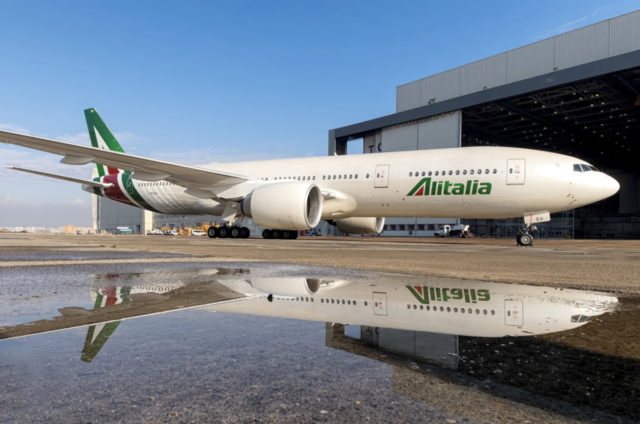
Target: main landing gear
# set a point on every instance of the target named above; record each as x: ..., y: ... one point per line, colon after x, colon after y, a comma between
x: 228, y: 232
x: 524, y: 237
x: 280, y: 234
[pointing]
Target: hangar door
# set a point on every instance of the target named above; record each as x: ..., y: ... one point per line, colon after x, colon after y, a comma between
x: 515, y: 171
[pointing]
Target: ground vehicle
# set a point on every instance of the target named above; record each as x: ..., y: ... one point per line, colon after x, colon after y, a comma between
x: 453, y: 231
x: 154, y: 232
x: 198, y: 233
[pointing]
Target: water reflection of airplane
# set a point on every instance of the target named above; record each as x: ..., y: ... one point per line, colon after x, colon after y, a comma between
x: 471, y: 308
x: 98, y: 334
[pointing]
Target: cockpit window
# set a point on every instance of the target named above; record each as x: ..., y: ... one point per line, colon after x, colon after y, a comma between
x: 580, y: 318
x: 583, y: 167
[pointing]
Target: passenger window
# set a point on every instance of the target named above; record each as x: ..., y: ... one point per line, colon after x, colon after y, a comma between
x: 411, y: 174
x: 457, y: 172
x: 486, y: 171
x: 436, y: 173
x: 464, y: 172
x: 430, y: 173
x: 495, y: 171
x: 471, y: 172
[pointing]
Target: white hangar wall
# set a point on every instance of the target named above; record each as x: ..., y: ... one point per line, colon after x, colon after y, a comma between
x: 601, y: 40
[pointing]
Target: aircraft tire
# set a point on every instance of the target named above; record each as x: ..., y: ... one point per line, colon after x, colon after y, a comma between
x: 286, y: 234
x: 267, y: 234
x: 212, y: 233
x: 525, y: 240
x: 276, y: 234
x: 223, y: 232
x: 234, y: 232
x: 244, y: 232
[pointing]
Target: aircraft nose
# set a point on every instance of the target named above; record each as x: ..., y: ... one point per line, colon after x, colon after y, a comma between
x: 610, y: 186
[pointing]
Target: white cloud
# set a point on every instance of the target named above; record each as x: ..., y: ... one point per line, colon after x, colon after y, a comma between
x: 14, y: 128
x: 584, y: 20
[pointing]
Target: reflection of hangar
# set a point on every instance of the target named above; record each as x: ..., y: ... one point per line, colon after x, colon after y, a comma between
x: 577, y: 93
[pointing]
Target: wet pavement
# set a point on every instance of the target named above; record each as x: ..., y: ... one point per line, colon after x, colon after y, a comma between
x: 182, y: 342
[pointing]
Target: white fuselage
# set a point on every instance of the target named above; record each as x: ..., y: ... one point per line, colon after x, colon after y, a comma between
x: 472, y: 182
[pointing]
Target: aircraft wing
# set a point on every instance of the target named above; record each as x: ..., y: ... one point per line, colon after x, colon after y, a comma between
x: 194, y: 178
x: 62, y: 177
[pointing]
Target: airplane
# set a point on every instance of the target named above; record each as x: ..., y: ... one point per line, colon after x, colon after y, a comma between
x: 443, y: 305
x: 355, y: 192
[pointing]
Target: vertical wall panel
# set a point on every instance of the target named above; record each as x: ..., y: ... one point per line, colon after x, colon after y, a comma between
x: 442, y: 86
x: 400, y: 138
x: 440, y: 132
x: 489, y: 73
x: 582, y: 46
x: 530, y: 61
x: 408, y: 96
x: 625, y: 33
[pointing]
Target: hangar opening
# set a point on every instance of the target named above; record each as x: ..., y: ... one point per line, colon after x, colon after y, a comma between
x: 577, y: 93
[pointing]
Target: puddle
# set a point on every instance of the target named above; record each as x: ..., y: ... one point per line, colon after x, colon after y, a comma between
x: 234, y: 342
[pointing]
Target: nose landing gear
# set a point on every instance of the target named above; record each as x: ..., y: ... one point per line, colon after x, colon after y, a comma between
x: 524, y: 237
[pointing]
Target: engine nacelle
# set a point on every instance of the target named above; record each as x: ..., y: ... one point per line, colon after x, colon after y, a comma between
x: 356, y: 225
x: 284, y: 206
x: 288, y: 286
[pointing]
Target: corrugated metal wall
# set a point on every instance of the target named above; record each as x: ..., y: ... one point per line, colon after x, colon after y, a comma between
x: 598, y: 41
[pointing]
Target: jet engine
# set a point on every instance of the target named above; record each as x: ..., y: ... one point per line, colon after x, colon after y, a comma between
x: 285, y: 206
x: 288, y: 286
x: 356, y: 225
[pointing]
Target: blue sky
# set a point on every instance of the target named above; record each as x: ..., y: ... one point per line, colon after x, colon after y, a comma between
x: 196, y: 82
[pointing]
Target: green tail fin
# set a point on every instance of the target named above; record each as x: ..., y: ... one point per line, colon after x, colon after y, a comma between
x: 101, y: 137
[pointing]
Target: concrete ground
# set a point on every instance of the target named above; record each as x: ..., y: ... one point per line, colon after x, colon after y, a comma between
x: 611, y: 265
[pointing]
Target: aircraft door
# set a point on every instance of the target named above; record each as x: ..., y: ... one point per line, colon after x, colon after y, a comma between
x: 515, y: 171
x: 513, y: 313
x: 381, y: 179
x: 380, y: 303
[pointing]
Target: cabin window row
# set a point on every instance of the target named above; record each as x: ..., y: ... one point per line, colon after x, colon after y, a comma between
x: 155, y: 183
x: 450, y: 309
x: 452, y: 172
x: 313, y: 178
x: 322, y: 300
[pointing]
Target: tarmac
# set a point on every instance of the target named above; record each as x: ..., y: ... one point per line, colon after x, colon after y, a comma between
x: 609, y: 265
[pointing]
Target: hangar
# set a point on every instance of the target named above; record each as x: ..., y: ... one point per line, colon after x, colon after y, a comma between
x: 577, y: 93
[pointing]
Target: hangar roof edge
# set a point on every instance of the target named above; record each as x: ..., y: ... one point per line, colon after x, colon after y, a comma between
x: 553, y: 79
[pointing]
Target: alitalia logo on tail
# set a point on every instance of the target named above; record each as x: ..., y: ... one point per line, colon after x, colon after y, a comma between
x: 429, y: 187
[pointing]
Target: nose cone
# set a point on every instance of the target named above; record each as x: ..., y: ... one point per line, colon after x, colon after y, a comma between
x: 609, y: 186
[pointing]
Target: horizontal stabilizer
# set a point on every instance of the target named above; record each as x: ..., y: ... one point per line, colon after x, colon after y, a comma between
x: 61, y: 177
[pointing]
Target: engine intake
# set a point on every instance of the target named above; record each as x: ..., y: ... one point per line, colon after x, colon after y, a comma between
x: 284, y: 206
